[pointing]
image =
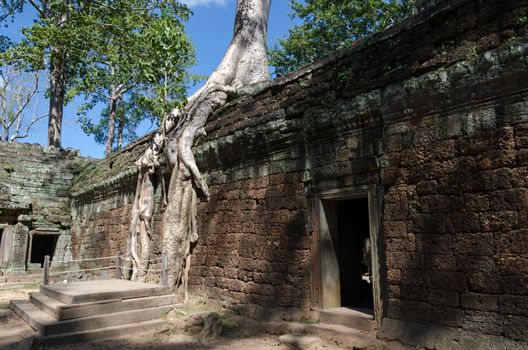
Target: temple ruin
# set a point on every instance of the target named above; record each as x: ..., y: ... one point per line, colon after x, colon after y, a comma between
x: 389, y: 177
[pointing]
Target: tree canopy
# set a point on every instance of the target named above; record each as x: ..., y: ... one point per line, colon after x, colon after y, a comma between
x: 110, y: 51
x: 136, y: 63
x: 328, y: 25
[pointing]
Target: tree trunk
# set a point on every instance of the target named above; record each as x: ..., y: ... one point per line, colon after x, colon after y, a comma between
x: 120, y: 127
x: 111, y: 123
x: 58, y: 79
x: 244, y: 63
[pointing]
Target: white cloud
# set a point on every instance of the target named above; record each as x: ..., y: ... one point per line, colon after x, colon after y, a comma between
x: 195, y: 3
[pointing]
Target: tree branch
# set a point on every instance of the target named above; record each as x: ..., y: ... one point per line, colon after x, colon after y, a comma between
x: 16, y: 136
x: 38, y: 8
x: 11, y: 11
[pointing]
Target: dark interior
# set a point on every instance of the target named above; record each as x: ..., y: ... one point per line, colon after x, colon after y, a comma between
x: 353, y: 256
x: 43, y: 245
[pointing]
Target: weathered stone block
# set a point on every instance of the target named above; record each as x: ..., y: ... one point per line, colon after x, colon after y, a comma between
x: 428, y: 223
x: 401, y: 260
x: 415, y: 311
x: 434, y: 244
x: 403, y: 244
x: 447, y: 281
x: 478, y: 301
x: 394, y: 229
x: 414, y: 292
x: 462, y: 222
x: 499, y: 179
x: 499, y: 220
x: 448, y: 316
x: 440, y: 262
x: 424, y: 188
x: 470, y: 202
x: 482, y: 282
x: 473, y: 244
x: 414, y: 278
x: 513, y: 305
x: 516, y: 327
x: 514, y: 199
x: 434, y: 204
x: 483, y: 322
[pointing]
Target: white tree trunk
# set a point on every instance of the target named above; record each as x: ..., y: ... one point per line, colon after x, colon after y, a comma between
x: 244, y: 63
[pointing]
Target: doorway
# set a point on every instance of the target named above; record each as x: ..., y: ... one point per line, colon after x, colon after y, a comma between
x: 41, y: 246
x: 353, y: 253
x: 345, y: 252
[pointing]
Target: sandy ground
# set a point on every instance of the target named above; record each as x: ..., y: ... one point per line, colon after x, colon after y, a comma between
x: 15, y: 335
x: 240, y: 333
x: 15, y: 291
x: 184, y: 341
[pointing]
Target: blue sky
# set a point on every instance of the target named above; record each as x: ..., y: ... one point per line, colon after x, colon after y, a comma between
x: 210, y: 29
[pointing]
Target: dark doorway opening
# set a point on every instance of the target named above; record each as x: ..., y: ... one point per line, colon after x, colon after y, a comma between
x: 353, y: 253
x: 1, y: 234
x: 41, y: 246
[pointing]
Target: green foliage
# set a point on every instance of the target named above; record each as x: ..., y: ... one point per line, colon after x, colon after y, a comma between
x: 472, y: 54
x: 125, y: 50
x: 99, y: 128
x: 138, y: 57
x: 328, y: 25
x: 305, y: 320
x: 5, y: 43
x: 9, y: 168
x: 50, y: 30
x: 522, y: 21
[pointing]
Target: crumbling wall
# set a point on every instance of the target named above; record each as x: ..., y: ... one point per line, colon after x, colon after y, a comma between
x: 432, y: 114
x: 36, y: 197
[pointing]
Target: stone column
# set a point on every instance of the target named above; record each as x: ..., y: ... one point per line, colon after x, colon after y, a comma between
x: 21, y: 233
x: 6, y: 247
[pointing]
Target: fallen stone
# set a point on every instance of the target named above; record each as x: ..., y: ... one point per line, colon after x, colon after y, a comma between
x: 299, y: 341
x: 5, y: 314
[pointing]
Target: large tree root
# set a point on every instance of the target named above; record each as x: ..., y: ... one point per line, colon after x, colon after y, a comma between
x: 244, y: 63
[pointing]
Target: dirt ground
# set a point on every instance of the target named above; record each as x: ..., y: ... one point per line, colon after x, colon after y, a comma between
x: 15, y: 291
x: 183, y: 341
x: 15, y: 335
x: 239, y: 333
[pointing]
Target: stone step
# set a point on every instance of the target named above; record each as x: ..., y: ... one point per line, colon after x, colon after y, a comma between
x: 98, y: 334
x: 62, y: 311
x: 46, y: 325
x: 361, y: 319
x: 101, y: 290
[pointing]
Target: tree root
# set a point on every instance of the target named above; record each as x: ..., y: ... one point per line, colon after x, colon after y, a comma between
x: 244, y: 63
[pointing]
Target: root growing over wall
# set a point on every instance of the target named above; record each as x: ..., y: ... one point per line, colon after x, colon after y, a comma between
x: 244, y: 63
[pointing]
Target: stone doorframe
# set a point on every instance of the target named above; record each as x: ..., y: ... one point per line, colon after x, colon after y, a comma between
x: 320, y: 235
x: 39, y: 232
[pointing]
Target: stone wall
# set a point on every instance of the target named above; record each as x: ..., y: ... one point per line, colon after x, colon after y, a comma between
x: 36, y: 198
x: 429, y: 117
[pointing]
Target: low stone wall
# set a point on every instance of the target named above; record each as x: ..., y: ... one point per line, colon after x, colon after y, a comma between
x: 429, y: 118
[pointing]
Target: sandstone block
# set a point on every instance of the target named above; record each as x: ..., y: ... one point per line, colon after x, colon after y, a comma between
x: 448, y: 316
x: 483, y: 322
x: 478, y: 301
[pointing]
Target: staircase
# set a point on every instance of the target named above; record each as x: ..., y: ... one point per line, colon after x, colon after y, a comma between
x: 92, y: 310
